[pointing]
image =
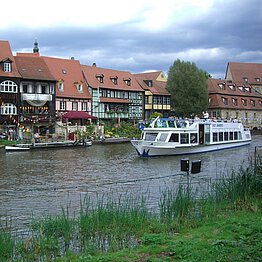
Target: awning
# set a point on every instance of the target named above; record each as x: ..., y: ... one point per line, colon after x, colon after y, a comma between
x: 78, y: 115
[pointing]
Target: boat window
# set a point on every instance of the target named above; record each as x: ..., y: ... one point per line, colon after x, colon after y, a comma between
x: 239, y: 135
x: 235, y: 135
x: 221, y: 136
x: 173, y: 138
x: 226, y: 136
x: 150, y: 136
x: 193, y: 138
x: 231, y: 137
x: 215, y: 138
x: 184, y: 138
x: 171, y: 123
x: 163, y: 137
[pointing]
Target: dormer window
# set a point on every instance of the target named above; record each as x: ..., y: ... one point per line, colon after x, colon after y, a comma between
x: 257, y: 79
x: 245, y: 79
x: 100, y: 78
x: 79, y: 87
x: 222, y: 86
x: 149, y: 83
x: 61, y: 86
x: 252, y: 102
x: 7, y: 67
x: 128, y: 81
x: 244, y: 102
x: 114, y: 79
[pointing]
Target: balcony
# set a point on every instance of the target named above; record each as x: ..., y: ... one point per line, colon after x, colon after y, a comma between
x: 37, y: 97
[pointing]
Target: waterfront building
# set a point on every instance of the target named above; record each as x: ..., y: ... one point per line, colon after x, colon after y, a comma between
x: 9, y: 89
x: 245, y: 74
x: 229, y: 100
x: 157, y: 98
x: 36, y: 93
x: 73, y: 101
x: 115, y: 94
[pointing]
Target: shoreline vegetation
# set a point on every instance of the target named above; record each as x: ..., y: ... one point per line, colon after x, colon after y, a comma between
x: 224, y: 224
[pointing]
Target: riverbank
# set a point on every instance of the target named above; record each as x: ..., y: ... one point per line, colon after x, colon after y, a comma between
x: 225, y: 224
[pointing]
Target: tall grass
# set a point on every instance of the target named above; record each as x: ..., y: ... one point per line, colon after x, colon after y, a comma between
x: 110, y: 223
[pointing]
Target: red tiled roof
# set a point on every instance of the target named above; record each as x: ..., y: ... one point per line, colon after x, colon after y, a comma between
x: 237, y: 71
x: 33, y: 67
x: 69, y: 72
x: 6, y: 53
x: 91, y: 73
x: 220, y: 90
x: 158, y: 88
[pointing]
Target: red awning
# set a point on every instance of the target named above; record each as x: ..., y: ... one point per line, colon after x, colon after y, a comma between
x: 78, y: 115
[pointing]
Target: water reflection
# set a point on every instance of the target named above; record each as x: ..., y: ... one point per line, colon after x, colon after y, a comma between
x: 41, y: 182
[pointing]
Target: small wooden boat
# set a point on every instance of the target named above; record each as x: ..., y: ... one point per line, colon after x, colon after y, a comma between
x: 16, y: 148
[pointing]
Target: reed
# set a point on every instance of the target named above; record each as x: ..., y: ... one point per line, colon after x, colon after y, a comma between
x: 7, y: 246
x: 176, y: 205
x: 113, y: 224
x: 109, y: 223
x: 240, y: 187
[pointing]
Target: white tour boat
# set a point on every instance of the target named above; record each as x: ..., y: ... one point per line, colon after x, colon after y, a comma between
x: 168, y: 136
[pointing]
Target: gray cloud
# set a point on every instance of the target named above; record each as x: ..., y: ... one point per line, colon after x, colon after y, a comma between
x: 230, y: 31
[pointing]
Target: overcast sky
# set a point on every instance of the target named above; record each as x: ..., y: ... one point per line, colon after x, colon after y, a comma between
x: 138, y: 35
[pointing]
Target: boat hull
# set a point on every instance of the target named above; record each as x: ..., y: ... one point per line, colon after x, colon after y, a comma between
x: 157, y: 149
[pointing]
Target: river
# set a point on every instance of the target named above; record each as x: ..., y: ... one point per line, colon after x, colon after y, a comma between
x: 38, y: 183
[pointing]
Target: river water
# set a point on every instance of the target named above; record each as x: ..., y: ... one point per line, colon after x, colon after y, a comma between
x: 39, y: 183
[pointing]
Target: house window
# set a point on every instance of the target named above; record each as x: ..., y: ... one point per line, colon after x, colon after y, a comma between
x: 128, y: 81
x: 61, y: 86
x: 224, y: 100
x: 222, y: 86
x: 8, y: 109
x: 100, y: 78
x: 114, y: 80
x: 260, y: 102
x: 146, y: 100
x: 74, y: 106
x: 7, y: 67
x: 79, y: 87
x: 244, y: 102
x: 234, y: 101
x: 62, y: 105
x: 252, y: 102
x: 84, y: 106
x: 8, y: 87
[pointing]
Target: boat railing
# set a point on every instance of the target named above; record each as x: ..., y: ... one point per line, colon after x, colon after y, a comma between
x: 183, y: 122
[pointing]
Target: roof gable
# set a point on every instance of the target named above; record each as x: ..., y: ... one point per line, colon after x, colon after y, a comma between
x: 244, y: 72
x: 33, y: 68
x: 68, y: 72
x: 112, y: 79
x: 7, y: 56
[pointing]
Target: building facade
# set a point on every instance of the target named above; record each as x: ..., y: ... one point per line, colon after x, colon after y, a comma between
x: 228, y: 100
x: 157, y: 98
x: 9, y: 90
x: 115, y: 94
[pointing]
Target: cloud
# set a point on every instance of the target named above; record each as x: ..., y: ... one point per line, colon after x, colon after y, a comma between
x: 139, y: 36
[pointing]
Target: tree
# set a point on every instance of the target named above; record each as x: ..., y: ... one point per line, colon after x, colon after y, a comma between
x: 187, y: 85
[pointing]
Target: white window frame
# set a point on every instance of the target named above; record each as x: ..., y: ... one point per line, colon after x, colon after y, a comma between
x: 8, y: 86
x: 7, y: 67
x: 8, y: 109
x: 62, y: 105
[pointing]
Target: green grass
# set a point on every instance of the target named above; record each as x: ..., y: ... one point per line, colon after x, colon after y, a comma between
x: 224, y: 225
